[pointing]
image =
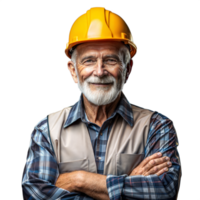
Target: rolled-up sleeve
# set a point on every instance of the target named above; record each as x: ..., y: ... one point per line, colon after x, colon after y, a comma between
x: 41, y: 169
x: 162, y: 138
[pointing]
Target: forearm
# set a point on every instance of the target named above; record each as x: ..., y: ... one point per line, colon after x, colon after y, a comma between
x: 151, y: 187
x: 142, y: 187
x: 93, y: 185
x: 39, y: 189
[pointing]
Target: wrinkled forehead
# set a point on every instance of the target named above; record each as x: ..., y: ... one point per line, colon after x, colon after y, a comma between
x: 99, y: 47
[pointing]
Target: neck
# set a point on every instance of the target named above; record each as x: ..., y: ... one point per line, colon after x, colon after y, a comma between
x: 99, y: 114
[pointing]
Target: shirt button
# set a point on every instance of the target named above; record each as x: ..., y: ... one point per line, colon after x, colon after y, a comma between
x: 98, y: 158
x: 101, y: 134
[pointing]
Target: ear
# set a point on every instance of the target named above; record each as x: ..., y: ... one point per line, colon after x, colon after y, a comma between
x: 72, y: 70
x: 130, y: 67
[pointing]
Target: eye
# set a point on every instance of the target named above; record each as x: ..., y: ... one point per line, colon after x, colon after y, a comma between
x: 108, y: 60
x: 88, y: 60
x: 111, y: 60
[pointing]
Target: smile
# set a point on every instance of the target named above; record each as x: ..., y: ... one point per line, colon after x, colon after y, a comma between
x: 101, y: 84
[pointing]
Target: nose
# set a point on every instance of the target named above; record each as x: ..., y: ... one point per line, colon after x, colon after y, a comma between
x: 100, y: 69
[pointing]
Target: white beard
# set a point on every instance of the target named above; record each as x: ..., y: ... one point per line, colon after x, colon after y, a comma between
x: 102, y: 95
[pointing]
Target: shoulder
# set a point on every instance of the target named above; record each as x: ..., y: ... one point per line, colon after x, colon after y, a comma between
x: 160, y: 121
x: 42, y: 125
x: 66, y: 109
x: 162, y: 127
x: 156, y: 117
x: 157, y: 121
x: 141, y: 113
x: 40, y: 131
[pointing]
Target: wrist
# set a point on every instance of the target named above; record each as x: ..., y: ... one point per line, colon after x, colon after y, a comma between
x: 79, y: 180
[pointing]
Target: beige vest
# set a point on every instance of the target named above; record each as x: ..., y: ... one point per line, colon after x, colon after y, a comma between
x: 125, y: 146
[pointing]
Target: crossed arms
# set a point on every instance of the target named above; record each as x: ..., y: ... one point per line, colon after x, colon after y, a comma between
x: 94, y: 185
x: 39, y: 176
x: 91, y: 184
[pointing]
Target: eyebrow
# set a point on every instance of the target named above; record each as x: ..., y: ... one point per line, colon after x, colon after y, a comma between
x: 107, y: 56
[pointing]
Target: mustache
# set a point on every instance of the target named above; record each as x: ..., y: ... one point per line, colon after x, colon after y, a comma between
x: 104, y: 79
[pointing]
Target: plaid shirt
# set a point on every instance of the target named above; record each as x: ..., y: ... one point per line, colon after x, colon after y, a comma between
x: 41, y: 169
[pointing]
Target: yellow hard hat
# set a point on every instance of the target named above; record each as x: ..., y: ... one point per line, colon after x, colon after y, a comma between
x: 99, y: 24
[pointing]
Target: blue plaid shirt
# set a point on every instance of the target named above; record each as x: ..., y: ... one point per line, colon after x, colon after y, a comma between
x: 41, y: 169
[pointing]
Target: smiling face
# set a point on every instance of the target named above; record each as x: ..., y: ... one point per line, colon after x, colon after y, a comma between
x: 99, y: 69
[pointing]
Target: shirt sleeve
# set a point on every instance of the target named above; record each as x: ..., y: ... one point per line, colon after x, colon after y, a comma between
x: 41, y: 169
x: 161, y: 138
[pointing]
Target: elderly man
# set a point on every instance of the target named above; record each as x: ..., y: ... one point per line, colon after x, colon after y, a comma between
x: 102, y: 147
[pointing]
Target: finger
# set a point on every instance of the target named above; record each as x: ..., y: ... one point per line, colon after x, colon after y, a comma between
x: 155, y: 162
x: 162, y: 160
x: 162, y: 171
x: 163, y: 165
x: 148, y: 159
x: 157, y: 168
x: 153, y: 170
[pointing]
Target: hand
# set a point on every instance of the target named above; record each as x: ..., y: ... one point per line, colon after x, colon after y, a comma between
x: 68, y: 181
x: 154, y: 164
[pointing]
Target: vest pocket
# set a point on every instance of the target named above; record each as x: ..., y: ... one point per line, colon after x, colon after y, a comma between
x: 73, y: 166
x: 125, y: 163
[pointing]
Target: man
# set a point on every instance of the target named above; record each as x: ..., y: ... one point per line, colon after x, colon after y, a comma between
x: 102, y: 147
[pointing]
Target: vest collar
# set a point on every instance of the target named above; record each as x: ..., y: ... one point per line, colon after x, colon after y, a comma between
x: 123, y: 108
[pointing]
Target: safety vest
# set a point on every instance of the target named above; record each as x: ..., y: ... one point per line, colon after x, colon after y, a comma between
x: 125, y: 146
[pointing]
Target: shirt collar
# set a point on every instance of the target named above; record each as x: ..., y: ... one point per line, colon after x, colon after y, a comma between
x: 123, y: 108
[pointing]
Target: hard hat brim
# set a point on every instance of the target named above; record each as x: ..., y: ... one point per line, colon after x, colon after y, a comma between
x: 134, y: 47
